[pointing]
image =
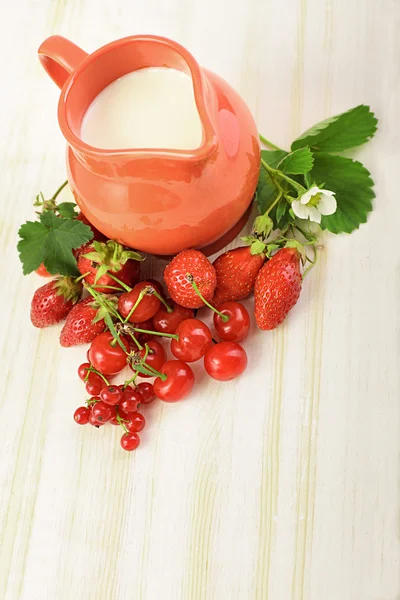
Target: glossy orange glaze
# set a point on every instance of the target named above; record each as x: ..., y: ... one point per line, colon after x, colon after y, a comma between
x: 158, y: 201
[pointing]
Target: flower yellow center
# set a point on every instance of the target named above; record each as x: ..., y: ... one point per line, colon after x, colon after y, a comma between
x: 314, y: 200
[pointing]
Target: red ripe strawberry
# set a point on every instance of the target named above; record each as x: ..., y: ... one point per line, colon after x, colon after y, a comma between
x: 42, y: 271
x: 53, y: 301
x: 236, y: 273
x: 79, y: 327
x: 106, y: 259
x: 187, y: 267
x: 277, y: 288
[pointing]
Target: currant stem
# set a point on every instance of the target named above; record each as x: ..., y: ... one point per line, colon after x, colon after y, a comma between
x: 225, y: 318
x: 93, y: 370
x: 268, y: 143
x: 62, y: 186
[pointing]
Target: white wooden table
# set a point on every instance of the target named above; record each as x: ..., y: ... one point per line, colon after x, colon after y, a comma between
x: 284, y: 486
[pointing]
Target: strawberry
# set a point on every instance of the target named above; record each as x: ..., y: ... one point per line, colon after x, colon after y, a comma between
x: 42, y: 271
x: 236, y: 273
x: 277, y: 288
x: 52, y: 302
x: 81, y: 326
x: 188, y: 269
x: 98, y: 261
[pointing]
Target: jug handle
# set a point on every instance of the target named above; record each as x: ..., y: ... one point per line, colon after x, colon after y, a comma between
x: 60, y: 57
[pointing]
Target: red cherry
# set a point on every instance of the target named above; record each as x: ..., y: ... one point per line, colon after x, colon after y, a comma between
x: 166, y: 322
x: 155, y: 358
x: 101, y: 412
x: 107, y: 356
x: 81, y: 415
x: 135, y: 423
x: 130, y: 441
x: 131, y: 400
x: 82, y: 370
x: 144, y: 337
x: 236, y: 328
x: 147, y: 307
x: 178, y: 383
x: 147, y: 391
x: 225, y: 361
x: 194, y: 340
x: 111, y: 394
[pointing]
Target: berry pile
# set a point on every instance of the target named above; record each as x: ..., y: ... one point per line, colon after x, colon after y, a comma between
x: 132, y: 323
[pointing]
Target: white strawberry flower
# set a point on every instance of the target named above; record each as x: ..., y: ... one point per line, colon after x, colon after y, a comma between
x: 314, y: 203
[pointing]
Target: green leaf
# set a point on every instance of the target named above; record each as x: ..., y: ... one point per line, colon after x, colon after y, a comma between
x: 67, y: 210
x: 352, y: 183
x: 30, y: 247
x: 257, y: 247
x: 344, y: 131
x: 298, y: 162
x: 51, y: 241
x: 281, y: 209
x: 266, y: 190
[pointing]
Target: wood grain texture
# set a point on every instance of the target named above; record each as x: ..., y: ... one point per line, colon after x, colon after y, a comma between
x: 283, y: 486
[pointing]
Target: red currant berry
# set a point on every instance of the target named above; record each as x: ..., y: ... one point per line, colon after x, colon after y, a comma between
x: 194, y: 339
x: 111, y: 394
x: 94, y: 385
x: 166, y: 322
x: 83, y: 371
x: 236, y: 328
x: 81, y: 415
x: 93, y: 421
x: 147, y: 307
x: 131, y: 400
x: 178, y: 383
x: 130, y: 441
x: 135, y: 423
x: 147, y: 391
x: 118, y: 413
x: 101, y: 412
x: 225, y: 361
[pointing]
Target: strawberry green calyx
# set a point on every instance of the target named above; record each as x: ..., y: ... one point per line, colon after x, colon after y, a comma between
x: 112, y: 255
x: 69, y: 288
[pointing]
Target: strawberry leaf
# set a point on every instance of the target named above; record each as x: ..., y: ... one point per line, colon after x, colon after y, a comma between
x: 297, y: 162
x: 352, y: 183
x: 344, y: 131
x: 51, y: 241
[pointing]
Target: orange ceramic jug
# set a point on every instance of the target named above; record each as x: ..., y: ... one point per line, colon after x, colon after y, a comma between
x: 156, y: 200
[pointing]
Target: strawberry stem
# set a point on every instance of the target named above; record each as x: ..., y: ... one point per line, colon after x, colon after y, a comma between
x: 225, y: 318
x: 268, y: 143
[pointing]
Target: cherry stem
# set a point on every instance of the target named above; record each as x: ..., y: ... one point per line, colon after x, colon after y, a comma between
x: 82, y: 276
x: 225, y: 318
x: 161, y: 299
x: 167, y: 335
x: 121, y: 283
x: 103, y: 302
x: 134, y: 307
x: 138, y: 344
